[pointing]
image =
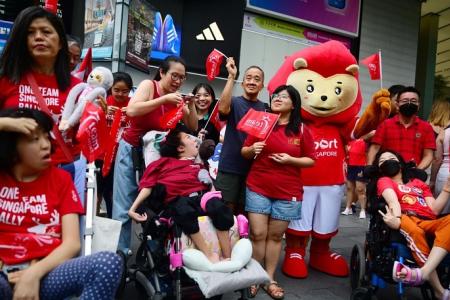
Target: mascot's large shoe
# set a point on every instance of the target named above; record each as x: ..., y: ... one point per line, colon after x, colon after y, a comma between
x: 322, y: 259
x: 294, y: 263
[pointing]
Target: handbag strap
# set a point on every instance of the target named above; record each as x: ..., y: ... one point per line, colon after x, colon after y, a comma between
x: 44, y: 108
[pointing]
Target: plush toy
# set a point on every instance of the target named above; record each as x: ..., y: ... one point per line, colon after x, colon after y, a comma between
x: 99, y: 81
x: 326, y: 77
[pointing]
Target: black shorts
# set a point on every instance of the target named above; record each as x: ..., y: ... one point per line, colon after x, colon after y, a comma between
x: 355, y: 173
x: 186, y: 210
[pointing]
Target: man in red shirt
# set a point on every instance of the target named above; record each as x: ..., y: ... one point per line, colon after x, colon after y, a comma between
x: 406, y: 133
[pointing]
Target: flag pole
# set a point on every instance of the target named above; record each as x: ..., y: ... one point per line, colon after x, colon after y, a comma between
x: 212, y: 113
x: 270, y: 131
x: 221, y: 53
x: 381, y: 70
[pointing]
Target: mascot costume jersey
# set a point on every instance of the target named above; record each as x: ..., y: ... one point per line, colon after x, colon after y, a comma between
x: 326, y: 77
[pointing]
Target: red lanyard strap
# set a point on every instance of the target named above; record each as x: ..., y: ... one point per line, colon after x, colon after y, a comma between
x: 44, y: 108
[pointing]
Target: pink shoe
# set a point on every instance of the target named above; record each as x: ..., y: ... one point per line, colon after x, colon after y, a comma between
x: 398, y: 267
x: 242, y: 224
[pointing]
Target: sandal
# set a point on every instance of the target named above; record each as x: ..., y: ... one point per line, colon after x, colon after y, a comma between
x: 398, y: 267
x: 274, y: 290
x: 253, y: 290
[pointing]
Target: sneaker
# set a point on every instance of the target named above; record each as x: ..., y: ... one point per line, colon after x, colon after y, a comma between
x: 354, y: 208
x: 169, y: 35
x: 362, y: 214
x: 347, y: 211
x: 157, y: 40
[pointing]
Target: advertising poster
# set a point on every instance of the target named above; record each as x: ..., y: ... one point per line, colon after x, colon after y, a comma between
x: 167, y: 36
x: 291, y: 31
x: 99, y: 27
x: 139, y: 35
x: 5, y: 29
x: 340, y: 16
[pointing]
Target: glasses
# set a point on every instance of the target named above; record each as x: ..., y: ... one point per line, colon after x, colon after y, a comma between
x: 282, y: 97
x: 176, y: 76
x: 408, y: 100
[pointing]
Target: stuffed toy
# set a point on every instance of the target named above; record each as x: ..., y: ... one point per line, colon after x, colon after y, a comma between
x: 326, y: 77
x: 99, y: 81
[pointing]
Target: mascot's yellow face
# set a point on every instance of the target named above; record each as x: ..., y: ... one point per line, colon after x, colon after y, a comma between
x: 324, y: 96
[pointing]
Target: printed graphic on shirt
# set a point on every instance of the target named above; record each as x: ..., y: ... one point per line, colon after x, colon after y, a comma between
x: 27, y: 99
x: 326, y: 147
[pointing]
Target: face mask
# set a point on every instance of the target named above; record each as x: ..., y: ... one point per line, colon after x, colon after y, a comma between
x: 408, y: 109
x: 390, y: 168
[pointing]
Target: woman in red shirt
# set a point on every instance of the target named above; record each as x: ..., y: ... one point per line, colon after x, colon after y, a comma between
x: 413, y: 210
x: 37, y: 46
x: 274, y: 190
x: 39, y: 228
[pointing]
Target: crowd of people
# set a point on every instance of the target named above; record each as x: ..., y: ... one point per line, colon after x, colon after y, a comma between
x: 42, y: 171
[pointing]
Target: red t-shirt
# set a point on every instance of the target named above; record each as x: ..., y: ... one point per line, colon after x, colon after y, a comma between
x: 30, y: 214
x: 411, y: 195
x: 330, y: 154
x: 21, y: 96
x: 142, y: 124
x: 408, y: 142
x: 271, y: 179
x: 357, y: 153
x: 180, y: 177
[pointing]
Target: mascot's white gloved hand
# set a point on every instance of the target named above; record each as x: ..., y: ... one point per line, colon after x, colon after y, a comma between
x: 240, y: 256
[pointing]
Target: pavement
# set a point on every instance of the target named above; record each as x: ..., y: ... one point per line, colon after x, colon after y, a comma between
x: 318, y: 286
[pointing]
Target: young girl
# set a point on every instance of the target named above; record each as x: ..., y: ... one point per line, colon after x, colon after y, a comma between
x: 118, y: 100
x: 185, y: 181
x: 39, y: 211
x: 413, y: 210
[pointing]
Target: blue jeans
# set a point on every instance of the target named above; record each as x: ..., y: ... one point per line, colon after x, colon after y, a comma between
x: 278, y: 209
x: 125, y: 191
x: 93, y: 277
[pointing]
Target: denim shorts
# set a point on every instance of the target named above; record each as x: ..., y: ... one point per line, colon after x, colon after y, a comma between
x: 284, y: 210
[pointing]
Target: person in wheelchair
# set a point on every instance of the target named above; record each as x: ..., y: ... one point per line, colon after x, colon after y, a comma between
x: 412, y: 209
x: 185, y: 182
x: 39, y: 222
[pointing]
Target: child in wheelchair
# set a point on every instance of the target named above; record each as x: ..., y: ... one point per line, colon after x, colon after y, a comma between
x: 412, y: 209
x: 186, y: 182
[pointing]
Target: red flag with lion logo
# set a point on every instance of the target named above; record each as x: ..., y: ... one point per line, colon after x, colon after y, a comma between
x: 171, y: 118
x: 258, y: 123
x: 373, y: 64
x: 92, y: 133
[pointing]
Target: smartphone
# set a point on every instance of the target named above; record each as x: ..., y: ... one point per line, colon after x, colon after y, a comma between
x: 186, y: 97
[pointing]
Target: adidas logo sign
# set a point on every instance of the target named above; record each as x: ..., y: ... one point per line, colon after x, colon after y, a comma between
x: 211, y: 33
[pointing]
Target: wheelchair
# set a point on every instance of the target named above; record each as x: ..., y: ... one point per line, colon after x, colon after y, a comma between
x: 371, y: 264
x: 158, y: 271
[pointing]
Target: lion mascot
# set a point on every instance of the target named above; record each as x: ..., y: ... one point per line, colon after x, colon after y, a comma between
x: 326, y: 77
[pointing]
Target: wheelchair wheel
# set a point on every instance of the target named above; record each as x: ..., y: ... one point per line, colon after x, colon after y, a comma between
x: 357, y: 267
x: 361, y: 293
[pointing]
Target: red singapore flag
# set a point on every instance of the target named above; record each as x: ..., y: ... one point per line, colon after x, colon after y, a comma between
x: 373, y: 63
x: 213, y: 63
x: 92, y: 133
x: 51, y: 6
x: 85, y: 68
x: 112, y: 143
x: 214, y: 118
x: 171, y: 118
x: 257, y: 123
